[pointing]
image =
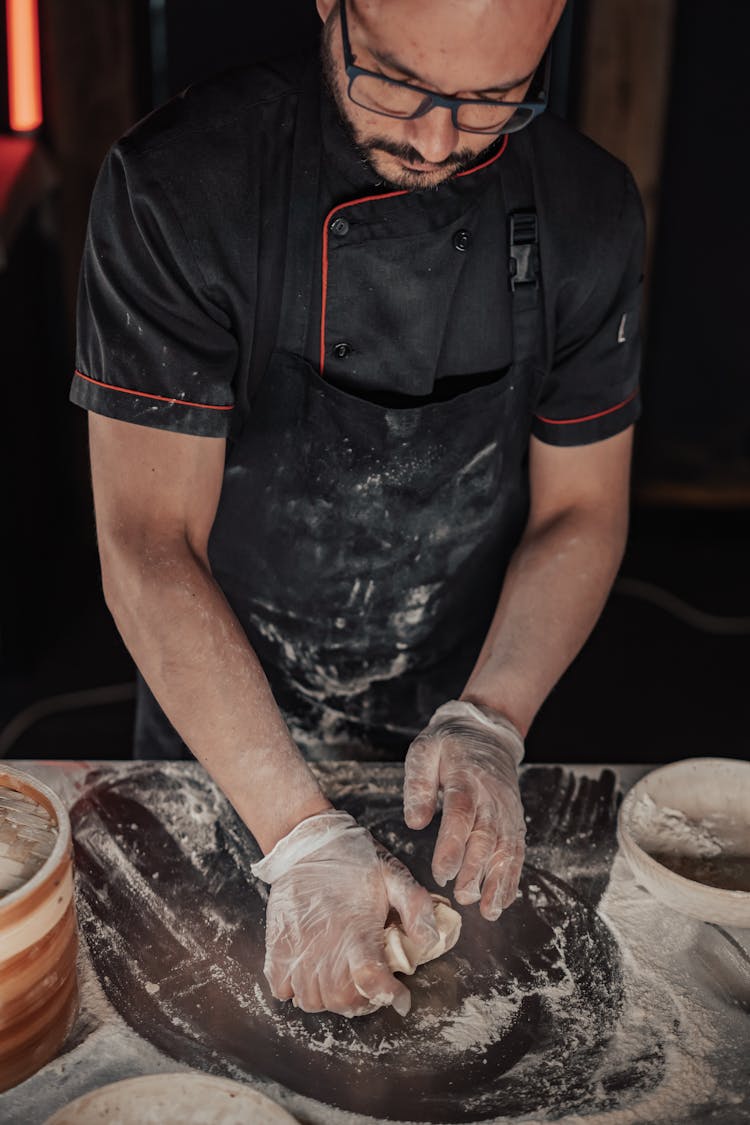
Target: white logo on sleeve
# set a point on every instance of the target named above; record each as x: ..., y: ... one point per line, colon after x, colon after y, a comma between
x: 621, y: 337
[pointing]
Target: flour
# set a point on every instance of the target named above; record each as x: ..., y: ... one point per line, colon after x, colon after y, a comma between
x: 478, y: 1022
x: 714, y: 849
x: 415, y: 611
x: 703, y: 1037
x: 320, y: 682
x: 677, y: 1053
x: 659, y: 828
x: 27, y: 837
x: 476, y: 460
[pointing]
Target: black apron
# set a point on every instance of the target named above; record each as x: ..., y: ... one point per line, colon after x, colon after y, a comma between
x: 363, y: 545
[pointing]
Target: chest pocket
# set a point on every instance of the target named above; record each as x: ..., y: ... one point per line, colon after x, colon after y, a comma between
x: 415, y: 313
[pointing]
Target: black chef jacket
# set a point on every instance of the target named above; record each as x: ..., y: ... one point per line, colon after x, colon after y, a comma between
x: 186, y: 239
x: 190, y: 238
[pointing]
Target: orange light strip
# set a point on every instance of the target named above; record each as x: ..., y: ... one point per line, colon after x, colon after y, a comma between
x: 24, y: 72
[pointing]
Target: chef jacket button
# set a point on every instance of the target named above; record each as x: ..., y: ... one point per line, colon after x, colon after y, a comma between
x: 339, y: 226
x: 342, y: 350
x: 462, y: 239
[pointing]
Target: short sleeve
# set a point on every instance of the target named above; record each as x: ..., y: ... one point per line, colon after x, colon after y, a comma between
x: 592, y: 390
x: 152, y: 347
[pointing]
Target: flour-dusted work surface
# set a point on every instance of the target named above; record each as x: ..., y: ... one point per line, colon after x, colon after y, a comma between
x: 177, y: 936
x: 588, y: 1001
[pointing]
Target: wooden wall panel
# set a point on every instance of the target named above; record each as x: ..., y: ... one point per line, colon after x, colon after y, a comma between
x: 624, y: 91
x: 89, y: 100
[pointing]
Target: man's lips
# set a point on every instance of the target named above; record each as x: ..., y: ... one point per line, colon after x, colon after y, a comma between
x: 424, y: 167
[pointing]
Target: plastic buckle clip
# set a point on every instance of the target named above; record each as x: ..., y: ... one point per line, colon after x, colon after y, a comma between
x: 523, y: 264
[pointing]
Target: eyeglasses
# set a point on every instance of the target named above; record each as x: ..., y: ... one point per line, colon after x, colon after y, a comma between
x: 392, y: 98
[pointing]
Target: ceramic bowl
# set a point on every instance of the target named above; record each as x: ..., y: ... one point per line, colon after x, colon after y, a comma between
x: 187, y: 1097
x: 684, y: 828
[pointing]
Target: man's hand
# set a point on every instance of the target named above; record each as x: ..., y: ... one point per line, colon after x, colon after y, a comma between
x: 332, y: 886
x: 472, y: 756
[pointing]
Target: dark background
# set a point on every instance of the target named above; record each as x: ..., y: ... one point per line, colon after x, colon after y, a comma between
x: 665, y: 672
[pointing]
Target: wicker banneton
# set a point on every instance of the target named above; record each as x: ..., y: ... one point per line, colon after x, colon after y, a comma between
x: 38, y: 933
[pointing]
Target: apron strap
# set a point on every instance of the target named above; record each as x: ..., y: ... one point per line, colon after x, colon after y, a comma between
x: 282, y: 304
x: 303, y: 230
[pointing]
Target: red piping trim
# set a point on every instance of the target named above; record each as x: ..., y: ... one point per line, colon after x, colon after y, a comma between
x: 354, y: 203
x: 491, y: 160
x: 145, y: 394
x: 588, y: 417
x: 324, y: 280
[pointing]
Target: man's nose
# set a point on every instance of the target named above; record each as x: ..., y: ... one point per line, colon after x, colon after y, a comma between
x: 434, y: 135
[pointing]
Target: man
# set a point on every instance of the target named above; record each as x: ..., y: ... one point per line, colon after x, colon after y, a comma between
x: 361, y: 361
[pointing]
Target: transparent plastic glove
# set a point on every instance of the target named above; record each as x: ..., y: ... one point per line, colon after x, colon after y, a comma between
x: 472, y: 756
x: 332, y: 887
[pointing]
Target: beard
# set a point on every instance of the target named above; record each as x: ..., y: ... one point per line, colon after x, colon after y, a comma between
x: 370, y: 148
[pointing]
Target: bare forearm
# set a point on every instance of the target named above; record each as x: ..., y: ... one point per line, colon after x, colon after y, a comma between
x: 555, y: 588
x: 193, y: 653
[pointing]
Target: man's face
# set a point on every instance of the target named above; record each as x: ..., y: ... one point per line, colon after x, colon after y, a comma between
x: 461, y: 48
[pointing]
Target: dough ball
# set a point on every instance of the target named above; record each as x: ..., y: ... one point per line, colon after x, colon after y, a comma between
x: 404, y: 956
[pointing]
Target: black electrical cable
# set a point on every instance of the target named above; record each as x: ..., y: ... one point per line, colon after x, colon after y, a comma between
x: 713, y: 623
x: 56, y: 704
